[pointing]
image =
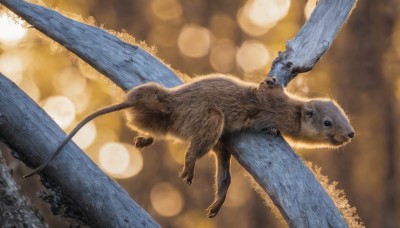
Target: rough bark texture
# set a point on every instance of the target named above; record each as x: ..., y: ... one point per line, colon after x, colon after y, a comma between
x: 313, y: 40
x: 15, y: 209
x: 272, y: 163
x: 29, y: 131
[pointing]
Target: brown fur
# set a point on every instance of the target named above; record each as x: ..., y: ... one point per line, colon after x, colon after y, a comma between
x: 209, y: 109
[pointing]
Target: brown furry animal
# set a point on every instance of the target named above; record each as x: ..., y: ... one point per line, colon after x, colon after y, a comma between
x: 208, y: 110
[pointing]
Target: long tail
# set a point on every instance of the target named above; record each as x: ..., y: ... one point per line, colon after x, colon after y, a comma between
x: 100, y: 112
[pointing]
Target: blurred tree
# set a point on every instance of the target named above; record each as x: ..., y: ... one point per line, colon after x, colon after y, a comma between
x: 365, y: 86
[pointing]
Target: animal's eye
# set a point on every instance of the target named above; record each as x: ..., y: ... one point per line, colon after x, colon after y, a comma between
x: 327, y: 123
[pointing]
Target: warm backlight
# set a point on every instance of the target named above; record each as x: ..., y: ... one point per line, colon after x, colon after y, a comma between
x: 12, y: 31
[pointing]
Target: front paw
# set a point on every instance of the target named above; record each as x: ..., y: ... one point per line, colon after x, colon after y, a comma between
x: 272, y: 131
x: 187, y: 176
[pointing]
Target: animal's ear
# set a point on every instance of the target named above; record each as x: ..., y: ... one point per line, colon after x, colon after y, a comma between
x: 308, y: 110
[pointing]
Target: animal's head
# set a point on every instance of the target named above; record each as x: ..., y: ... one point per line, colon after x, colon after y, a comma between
x: 324, y: 124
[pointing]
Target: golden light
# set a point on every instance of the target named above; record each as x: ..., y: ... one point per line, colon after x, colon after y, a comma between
x: 166, y: 9
x: 310, y: 5
x: 222, y: 57
x: 70, y: 82
x: 222, y: 26
x: 11, y: 29
x: 239, y: 193
x: 166, y: 199
x: 268, y: 12
x: 30, y: 88
x: 177, y: 151
x: 61, y: 109
x: 247, y: 25
x: 163, y: 35
x: 81, y: 101
x: 85, y: 137
x: 256, y: 17
x: 195, y: 219
x: 120, y: 160
x: 252, y: 55
x: 114, y: 158
x: 397, y: 89
x: 11, y: 65
x: 194, y: 41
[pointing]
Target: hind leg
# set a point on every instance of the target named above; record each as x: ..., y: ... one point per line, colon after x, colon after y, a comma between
x: 206, y: 137
x: 142, y: 141
x: 223, y: 179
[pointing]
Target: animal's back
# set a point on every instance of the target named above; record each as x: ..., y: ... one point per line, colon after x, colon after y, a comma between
x: 182, y: 110
x: 194, y: 102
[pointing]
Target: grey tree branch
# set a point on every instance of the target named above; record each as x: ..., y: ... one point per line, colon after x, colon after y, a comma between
x: 273, y: 164
x: 15, y: 209
x: 313, y: 40
x: 27, y: 129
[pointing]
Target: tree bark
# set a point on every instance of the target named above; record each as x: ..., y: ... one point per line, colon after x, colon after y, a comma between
x: 273, y: 164
x: 29, y: 131
x: 15, y: 209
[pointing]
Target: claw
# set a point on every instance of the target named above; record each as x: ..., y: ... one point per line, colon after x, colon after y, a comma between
x: 141, y: 141
x: 272, y: 131
x: 211, y: 212
x: 186, y: 178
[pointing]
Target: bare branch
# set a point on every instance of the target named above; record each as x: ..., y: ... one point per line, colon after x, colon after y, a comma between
x: 27, y: 129
x: 272, y: 163
x: 313, y: 40
x: 15, y: 209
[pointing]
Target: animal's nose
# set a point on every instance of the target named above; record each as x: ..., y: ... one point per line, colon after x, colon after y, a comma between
x: 351, y: 134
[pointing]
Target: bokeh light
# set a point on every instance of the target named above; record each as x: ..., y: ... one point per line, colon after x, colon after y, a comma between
x: 85, y: 137
x: 196, y: 218
x: 70, y: 82
x: 256, y: 17
x: 223, y: 54
x: 310, y: 5
x: 114, y: 158
x: 252, y: 55
x: 163, y: 35
x: 120, y: 160
x: 266, y: 13
x: 81, y: 101
x: 177, y: 151
x: 239, y: 192
x: 166, y: 9
x: 11, y: 65
x: 222, y: 26
x: 194, y: 41
x: 166, y: 199
x: 11, y: 29
x: 30, y: 88
x: 61, y: 109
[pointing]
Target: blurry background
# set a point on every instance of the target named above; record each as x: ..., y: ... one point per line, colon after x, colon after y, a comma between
x: 240, y: 37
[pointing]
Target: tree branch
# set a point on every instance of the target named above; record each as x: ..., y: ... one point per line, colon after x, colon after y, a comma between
x: 273, y: 164
x: 15, y: 209
x: 313, y: 40
x: 27, y: 129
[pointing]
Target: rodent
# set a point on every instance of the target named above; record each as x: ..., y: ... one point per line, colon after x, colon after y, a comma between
x: 208, y: 110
